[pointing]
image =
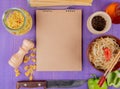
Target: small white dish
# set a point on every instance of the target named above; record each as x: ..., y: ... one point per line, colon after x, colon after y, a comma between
x: 107, y: 19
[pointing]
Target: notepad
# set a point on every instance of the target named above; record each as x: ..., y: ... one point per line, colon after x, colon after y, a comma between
x: 59, y: 40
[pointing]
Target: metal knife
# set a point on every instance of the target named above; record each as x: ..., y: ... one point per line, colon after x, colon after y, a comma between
x: 50, y: 84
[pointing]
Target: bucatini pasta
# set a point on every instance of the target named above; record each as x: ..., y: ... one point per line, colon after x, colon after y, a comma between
x: 97, y: 54
x: 38, y: 3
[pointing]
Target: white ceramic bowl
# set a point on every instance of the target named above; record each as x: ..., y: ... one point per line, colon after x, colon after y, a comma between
x: 105, y: 16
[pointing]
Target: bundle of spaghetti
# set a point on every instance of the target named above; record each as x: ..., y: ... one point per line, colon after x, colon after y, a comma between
x: 39, y: 3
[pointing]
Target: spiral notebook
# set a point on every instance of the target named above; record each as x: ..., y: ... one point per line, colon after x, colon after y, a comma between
x: 59, y: 40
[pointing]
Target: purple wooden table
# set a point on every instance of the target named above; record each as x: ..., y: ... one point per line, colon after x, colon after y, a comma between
x: 9, y: 44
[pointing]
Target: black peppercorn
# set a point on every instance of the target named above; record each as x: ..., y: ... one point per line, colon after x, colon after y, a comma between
x: 98, y: 23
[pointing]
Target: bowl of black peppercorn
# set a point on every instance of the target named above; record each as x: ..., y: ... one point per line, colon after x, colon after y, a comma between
x: 99, y: 22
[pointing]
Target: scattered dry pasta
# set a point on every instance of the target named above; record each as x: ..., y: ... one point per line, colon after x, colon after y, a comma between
x: 31, y: 77
x: 26, y: 59
x: 33, y: 50
x: 26, y: 67
x: 33, y: 60
x: 29, y: 69
x: 17, y: 72
x: 32, y: 54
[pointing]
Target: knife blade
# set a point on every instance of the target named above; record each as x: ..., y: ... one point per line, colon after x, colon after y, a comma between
x: 50, y: 84
x: 64, y: 83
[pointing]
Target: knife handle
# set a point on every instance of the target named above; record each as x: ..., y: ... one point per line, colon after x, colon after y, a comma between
x: 31, y: 84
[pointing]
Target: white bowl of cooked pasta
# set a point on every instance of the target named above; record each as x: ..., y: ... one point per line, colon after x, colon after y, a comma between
x: 102, y: 50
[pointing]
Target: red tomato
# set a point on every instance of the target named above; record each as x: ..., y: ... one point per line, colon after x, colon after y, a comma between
x: 107, y: 54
